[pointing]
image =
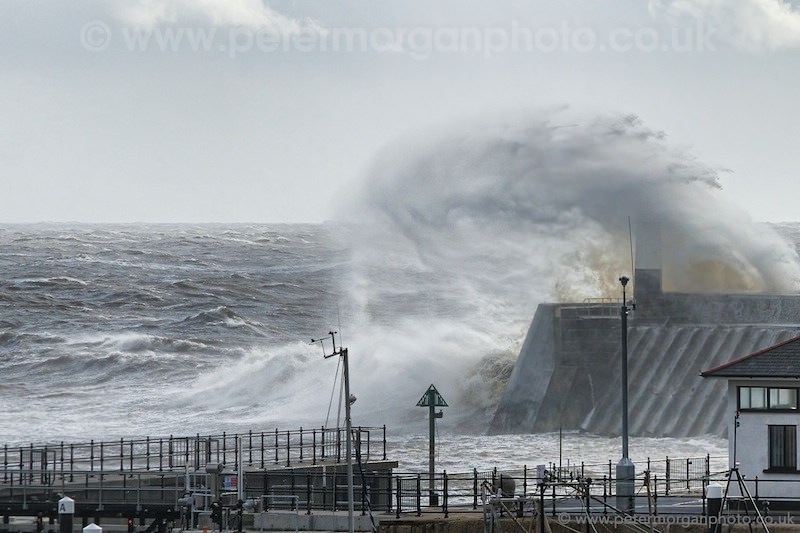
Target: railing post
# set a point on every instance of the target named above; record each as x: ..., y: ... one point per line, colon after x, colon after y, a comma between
x: 388, y: 493
x: 588, y: 497
x: 445, y: 495
x: 288, y: 448
x: 91, y: 455
x: 667, y: 478
x: 756, y: 489
x: 308, y: 493
x: 301, y: 444
x: 161, y: 455
x: 364, y: 495
x: 384, y: 442
x: 170, y: 452
x: 249, y: 448
x: 45, y: 477
x: 605, y: 495
x: 474, y: 488
x: 293, y: 490
x: 399, y: 497
x: 224, y: 448
x: 121, y: 455
x: 338, y: 445
x: 655, y: 495
x: 314, y: 446
x: 266, y: 491
x: 419, y: 494
x: 335, y: 503
x: 542, y: 519
x: 688, y: 475
x: 524, y: 481
x: 276, y: 446
x: 704, y: 487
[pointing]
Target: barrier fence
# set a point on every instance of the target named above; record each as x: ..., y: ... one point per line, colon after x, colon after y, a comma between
x: 258, y: 449
x: 162, y: 470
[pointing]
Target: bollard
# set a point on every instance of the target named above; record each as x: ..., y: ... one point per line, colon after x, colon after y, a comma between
x: 93, y: 528
x: 66, y: 511
x: 714, y: 498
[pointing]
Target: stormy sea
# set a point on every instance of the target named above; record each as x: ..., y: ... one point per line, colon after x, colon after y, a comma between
x: 430, y: 274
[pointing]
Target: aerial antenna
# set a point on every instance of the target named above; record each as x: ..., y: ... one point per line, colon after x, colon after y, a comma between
x: 630, y: 240
x: 339, y: 320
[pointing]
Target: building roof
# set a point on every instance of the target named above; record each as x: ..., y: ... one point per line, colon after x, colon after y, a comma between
x: 777, y: 361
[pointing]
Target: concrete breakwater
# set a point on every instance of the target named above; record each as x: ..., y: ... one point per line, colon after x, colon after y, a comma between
x: 567, y: 372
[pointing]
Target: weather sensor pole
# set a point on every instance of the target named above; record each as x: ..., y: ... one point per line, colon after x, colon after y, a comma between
x: 342, y: 352
x: 626, y: 471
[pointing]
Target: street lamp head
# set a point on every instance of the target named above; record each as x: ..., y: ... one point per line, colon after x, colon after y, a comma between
x: 624, y: 280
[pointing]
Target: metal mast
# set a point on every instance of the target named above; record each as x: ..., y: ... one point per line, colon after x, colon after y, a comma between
x: 349, y: 399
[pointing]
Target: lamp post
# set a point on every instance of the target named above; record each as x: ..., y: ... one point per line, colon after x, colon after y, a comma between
x: 626, y: 471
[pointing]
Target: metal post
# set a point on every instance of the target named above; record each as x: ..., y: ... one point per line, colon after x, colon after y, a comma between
x: 433, y: 498
x: 349, y: 445
x: 626, y: 471
x: 431, y: 399
x: 349, y: 399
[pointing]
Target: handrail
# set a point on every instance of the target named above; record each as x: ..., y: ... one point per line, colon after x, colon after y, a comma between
x: 381, y: 490
x: 167, y: 454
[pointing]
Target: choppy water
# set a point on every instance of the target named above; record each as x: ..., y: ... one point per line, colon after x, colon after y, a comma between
x: 431, y: 275
x: 112, y: 331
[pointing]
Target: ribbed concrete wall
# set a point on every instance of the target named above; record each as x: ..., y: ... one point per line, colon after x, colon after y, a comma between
x: 567, y: 373
x: 667, y: 396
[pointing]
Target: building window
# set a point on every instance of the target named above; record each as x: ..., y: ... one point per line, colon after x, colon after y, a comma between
x: 783, y: 448
x: 757, y: 398
x: 783, y: 398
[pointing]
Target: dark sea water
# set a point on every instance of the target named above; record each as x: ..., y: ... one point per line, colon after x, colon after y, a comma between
x: 127, y: 331
x: 431, y: 275
x: 111, y: 330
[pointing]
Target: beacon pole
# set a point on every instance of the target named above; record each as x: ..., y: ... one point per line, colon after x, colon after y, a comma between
x: 432, y: 399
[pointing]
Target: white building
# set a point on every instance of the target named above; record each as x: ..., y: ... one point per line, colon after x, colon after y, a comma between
x: 762, y: 413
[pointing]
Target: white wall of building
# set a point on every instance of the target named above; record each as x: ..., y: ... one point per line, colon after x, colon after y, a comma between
x: 748, y: 445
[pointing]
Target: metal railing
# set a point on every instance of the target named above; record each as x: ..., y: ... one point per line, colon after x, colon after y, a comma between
x: 37, y: 489
x: 681, y: 478
x: 672, y: 475
x: 579, y: 490
x: 165, y: 454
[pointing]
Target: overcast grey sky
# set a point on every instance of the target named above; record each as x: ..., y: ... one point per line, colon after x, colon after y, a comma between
x: 248, y: 110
